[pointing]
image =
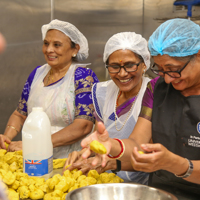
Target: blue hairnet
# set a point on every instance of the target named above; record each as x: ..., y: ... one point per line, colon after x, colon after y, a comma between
x: 176, y: 38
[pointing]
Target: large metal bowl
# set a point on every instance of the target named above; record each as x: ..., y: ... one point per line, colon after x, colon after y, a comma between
x: 119, y: 191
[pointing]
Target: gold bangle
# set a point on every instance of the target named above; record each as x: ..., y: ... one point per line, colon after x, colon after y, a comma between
x: 13, y: 128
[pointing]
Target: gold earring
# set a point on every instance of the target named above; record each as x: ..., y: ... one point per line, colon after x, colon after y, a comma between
x: 74, y: 55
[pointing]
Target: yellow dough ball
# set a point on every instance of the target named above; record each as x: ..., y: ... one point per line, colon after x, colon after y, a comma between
x: 97, y: 147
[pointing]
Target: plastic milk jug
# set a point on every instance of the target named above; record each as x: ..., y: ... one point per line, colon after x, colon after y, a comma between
x: 37, y: 145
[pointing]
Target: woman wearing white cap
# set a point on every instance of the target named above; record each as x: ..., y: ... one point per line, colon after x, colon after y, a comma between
x: 117, y: 102
x: 59, y: 87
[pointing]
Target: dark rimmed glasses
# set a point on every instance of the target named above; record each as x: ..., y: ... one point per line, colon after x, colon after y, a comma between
x: 130, y: 67
x: 173, y: 74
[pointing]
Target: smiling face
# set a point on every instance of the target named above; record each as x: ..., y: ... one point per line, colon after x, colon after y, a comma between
x: 128, y: 82
x: 189, y: 82
x: 57, y: 49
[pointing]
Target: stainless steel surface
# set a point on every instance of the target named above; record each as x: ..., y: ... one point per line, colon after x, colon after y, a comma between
x: 21, y: 21
x: 119, y: 191
x: 99, y: 20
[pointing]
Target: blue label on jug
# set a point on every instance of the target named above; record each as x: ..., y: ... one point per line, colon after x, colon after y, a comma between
x: 38, y: 167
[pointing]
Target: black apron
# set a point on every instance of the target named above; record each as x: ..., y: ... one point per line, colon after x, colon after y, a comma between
x: 174, y: 125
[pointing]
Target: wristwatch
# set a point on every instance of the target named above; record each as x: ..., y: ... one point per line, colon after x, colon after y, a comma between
x: 118, y: 167
x: 189, y: 171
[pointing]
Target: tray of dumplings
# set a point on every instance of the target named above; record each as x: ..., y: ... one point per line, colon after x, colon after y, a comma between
x: 18, y: 185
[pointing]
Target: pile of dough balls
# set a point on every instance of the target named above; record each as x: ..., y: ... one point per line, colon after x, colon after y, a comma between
x: 19, y: 185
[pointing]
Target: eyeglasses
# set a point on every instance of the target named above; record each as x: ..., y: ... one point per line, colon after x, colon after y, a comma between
x: 130, y: 67
x: 173, y: 74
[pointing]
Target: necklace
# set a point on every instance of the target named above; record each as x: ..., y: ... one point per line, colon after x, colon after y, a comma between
x: 48, y: 82
x: 48, y: 79
x: 129, y: 112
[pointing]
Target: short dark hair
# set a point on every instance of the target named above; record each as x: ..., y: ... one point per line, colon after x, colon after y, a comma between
x: 185, y: 58
x: 73, y: 45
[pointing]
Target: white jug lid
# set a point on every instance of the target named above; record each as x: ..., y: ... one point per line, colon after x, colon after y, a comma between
x: 37, y: 109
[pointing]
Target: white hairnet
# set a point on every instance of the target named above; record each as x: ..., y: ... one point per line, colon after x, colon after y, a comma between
x: 127, y: 40
x: 72, y: 32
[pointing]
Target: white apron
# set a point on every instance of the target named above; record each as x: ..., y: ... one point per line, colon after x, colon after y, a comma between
x: 58, y: 101
x: 104, y: 97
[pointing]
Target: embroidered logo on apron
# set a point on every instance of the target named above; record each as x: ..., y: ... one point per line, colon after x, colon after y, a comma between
x: 198, y: 127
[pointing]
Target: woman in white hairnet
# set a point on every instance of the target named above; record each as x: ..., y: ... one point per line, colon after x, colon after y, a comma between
x: 62, y: 87
x: 170, y: 114
x: 118, y: 101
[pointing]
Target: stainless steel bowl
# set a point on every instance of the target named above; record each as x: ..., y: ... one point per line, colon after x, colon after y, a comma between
x: 119, y: 191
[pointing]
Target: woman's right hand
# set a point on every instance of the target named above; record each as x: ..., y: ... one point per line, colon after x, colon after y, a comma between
x: 102, y: 136
x: 3, y: 139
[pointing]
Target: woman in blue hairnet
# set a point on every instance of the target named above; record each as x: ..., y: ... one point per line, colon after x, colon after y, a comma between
x: 170, y: 115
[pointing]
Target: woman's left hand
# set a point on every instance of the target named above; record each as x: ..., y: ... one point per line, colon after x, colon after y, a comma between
x: 156, y: 157
x: 15, y: 146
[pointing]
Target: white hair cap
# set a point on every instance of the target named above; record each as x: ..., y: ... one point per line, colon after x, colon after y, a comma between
x: 127, y: 40
x: 72, y: 32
